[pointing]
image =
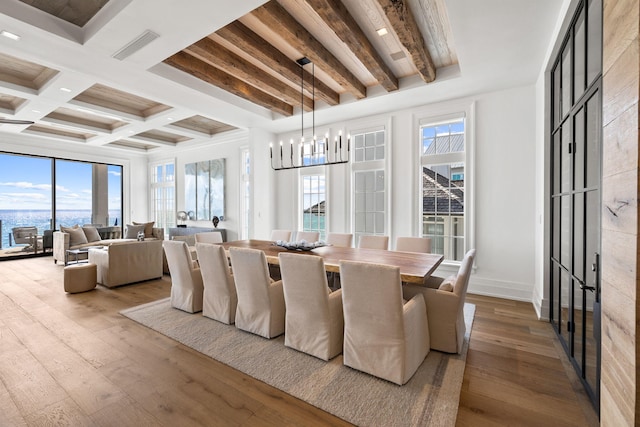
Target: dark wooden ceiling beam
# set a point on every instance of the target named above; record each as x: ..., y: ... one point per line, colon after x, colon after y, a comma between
x: 405, y: 26
x: 220, y: 57
x: 337, y: 17
x: 248, y: 41
x: 203, y: 71
x: 274, y: 16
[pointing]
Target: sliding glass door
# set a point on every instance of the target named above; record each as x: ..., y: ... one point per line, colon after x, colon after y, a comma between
x: 40, y: 194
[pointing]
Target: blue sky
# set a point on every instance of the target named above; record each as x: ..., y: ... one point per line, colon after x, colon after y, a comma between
x: 25, y: 183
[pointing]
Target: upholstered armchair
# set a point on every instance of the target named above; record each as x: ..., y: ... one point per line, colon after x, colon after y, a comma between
x: 308, y: 236
x: 186, y: 280
x: 284, y: 235
x: 208, y: 237
x: 261, y: 307
x: 374, y: 242
x: 413, y: 244
x: 383, y: 335
x: 445, y: 306
x: 220, y: 297
x: 341, y: 240
x: 314, y: 323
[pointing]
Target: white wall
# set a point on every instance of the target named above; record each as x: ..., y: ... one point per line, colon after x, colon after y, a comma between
x: 505, y: 208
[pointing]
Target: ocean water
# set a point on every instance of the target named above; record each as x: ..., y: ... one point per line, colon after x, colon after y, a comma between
x: 42, y: 220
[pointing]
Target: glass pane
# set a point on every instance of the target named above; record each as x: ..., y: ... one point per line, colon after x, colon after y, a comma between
x: 592, y: 149
x: 555, y: 286
x: 370, y: 202
x: 379, y: 152
x: 428, y: 146
x: 556, y: 228
x: 360, y: 202
x: 594, y: 52
x: 358, y: 141
x: 25, y: 201
x: 556, y: 95
x: 566, y: 79
x: 359, y: 155
x: 74, y: 194
x: 579, y: 41
x: 565, y: 283
x: 379, y: 222
x: 578, y: 303
x: 360, y: 182
x: 565, y: 175
x: 369, y: 223
x: 360, y: 222
x: 380, y: 138
x: 369, y: 140
x: 578, y: 236
x: 557, y: 155
x: 380, y: 180
x: 592, y: 322
x: 370, y: 180
x: 369, y: 154
x: 565, y: 231
x: 379, y: 202
x: 578, y: 161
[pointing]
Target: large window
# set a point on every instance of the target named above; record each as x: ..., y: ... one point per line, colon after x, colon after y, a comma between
x: 443, y: 186
x: 45, y: 193
x: 163, y: 200
x: 313, y: 203
x: 369, y: 183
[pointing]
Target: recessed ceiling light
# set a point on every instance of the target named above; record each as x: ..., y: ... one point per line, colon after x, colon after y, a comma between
x: 64, y: 89
x: 382, y: 31
x: 9, y: 35
x: 35, y: 111
x: 169, y: 118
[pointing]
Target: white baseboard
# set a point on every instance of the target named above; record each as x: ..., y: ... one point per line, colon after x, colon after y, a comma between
x: 501, y: 289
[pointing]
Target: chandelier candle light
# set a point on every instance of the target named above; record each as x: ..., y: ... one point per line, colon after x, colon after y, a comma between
x: 317, y: 153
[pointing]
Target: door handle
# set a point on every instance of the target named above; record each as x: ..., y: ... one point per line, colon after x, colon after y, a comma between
x: 588, y: 288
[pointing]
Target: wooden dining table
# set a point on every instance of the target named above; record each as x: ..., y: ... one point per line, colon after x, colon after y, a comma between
x: 414, y: 267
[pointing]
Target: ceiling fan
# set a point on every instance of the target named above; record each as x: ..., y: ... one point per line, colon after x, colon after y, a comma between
x: 15, y: 122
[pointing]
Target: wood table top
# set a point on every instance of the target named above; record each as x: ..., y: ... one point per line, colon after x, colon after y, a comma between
x: 414, y: 267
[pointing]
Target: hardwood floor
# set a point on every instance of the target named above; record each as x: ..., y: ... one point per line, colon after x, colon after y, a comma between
x: 74, y: 360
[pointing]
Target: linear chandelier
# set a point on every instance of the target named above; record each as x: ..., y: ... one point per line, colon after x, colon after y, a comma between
x: 311, y: 151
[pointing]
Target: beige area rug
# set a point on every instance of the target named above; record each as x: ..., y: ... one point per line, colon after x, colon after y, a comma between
x: 430, y: 398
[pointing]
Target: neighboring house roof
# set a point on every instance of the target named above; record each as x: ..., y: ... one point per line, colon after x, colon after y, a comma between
x: 456, y: 140
x: 441, y: 195
x: 318, y: 208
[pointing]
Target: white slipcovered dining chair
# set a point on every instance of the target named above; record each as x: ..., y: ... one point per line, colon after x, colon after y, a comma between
x: 220, y: 297
x: 308, y: 236
x: 340, y: 240
x: 374, y: 242
x: 261, y: 307
x: 445, y: 306
x: 186, y: 281
x: 314, y: 323
x: 383, y: 335
x: 208, y: 237
x: 284, y: 235
x: 414, y: 244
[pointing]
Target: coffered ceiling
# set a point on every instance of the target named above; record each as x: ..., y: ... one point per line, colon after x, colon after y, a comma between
x: 143, y: 75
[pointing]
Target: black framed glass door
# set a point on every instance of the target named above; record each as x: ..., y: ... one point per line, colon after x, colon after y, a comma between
x: 576, y: 135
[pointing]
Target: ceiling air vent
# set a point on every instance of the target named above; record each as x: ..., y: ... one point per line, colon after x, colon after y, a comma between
x: 136, y: 44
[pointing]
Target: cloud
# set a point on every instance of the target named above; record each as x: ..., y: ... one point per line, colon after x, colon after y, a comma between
x: 114, y: 173
x: 24, y: 184
x: 29, y: 196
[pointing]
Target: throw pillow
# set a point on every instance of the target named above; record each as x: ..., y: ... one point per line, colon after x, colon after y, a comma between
x: 132, y: 231
x: 76, y: 236
x: 92, y: 234
x: 448, y: 283
x: 148, y: 228
x: 66, y: 229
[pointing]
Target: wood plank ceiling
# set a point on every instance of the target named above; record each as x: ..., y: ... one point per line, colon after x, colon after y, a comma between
x: 353, y: 45
x: 253, y: 57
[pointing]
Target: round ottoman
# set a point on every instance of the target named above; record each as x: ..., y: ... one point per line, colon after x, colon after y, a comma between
x: 80, y: 277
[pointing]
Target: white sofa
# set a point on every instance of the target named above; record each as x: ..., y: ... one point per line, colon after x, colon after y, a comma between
x: 62, y: 242
x: 127, y: 262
